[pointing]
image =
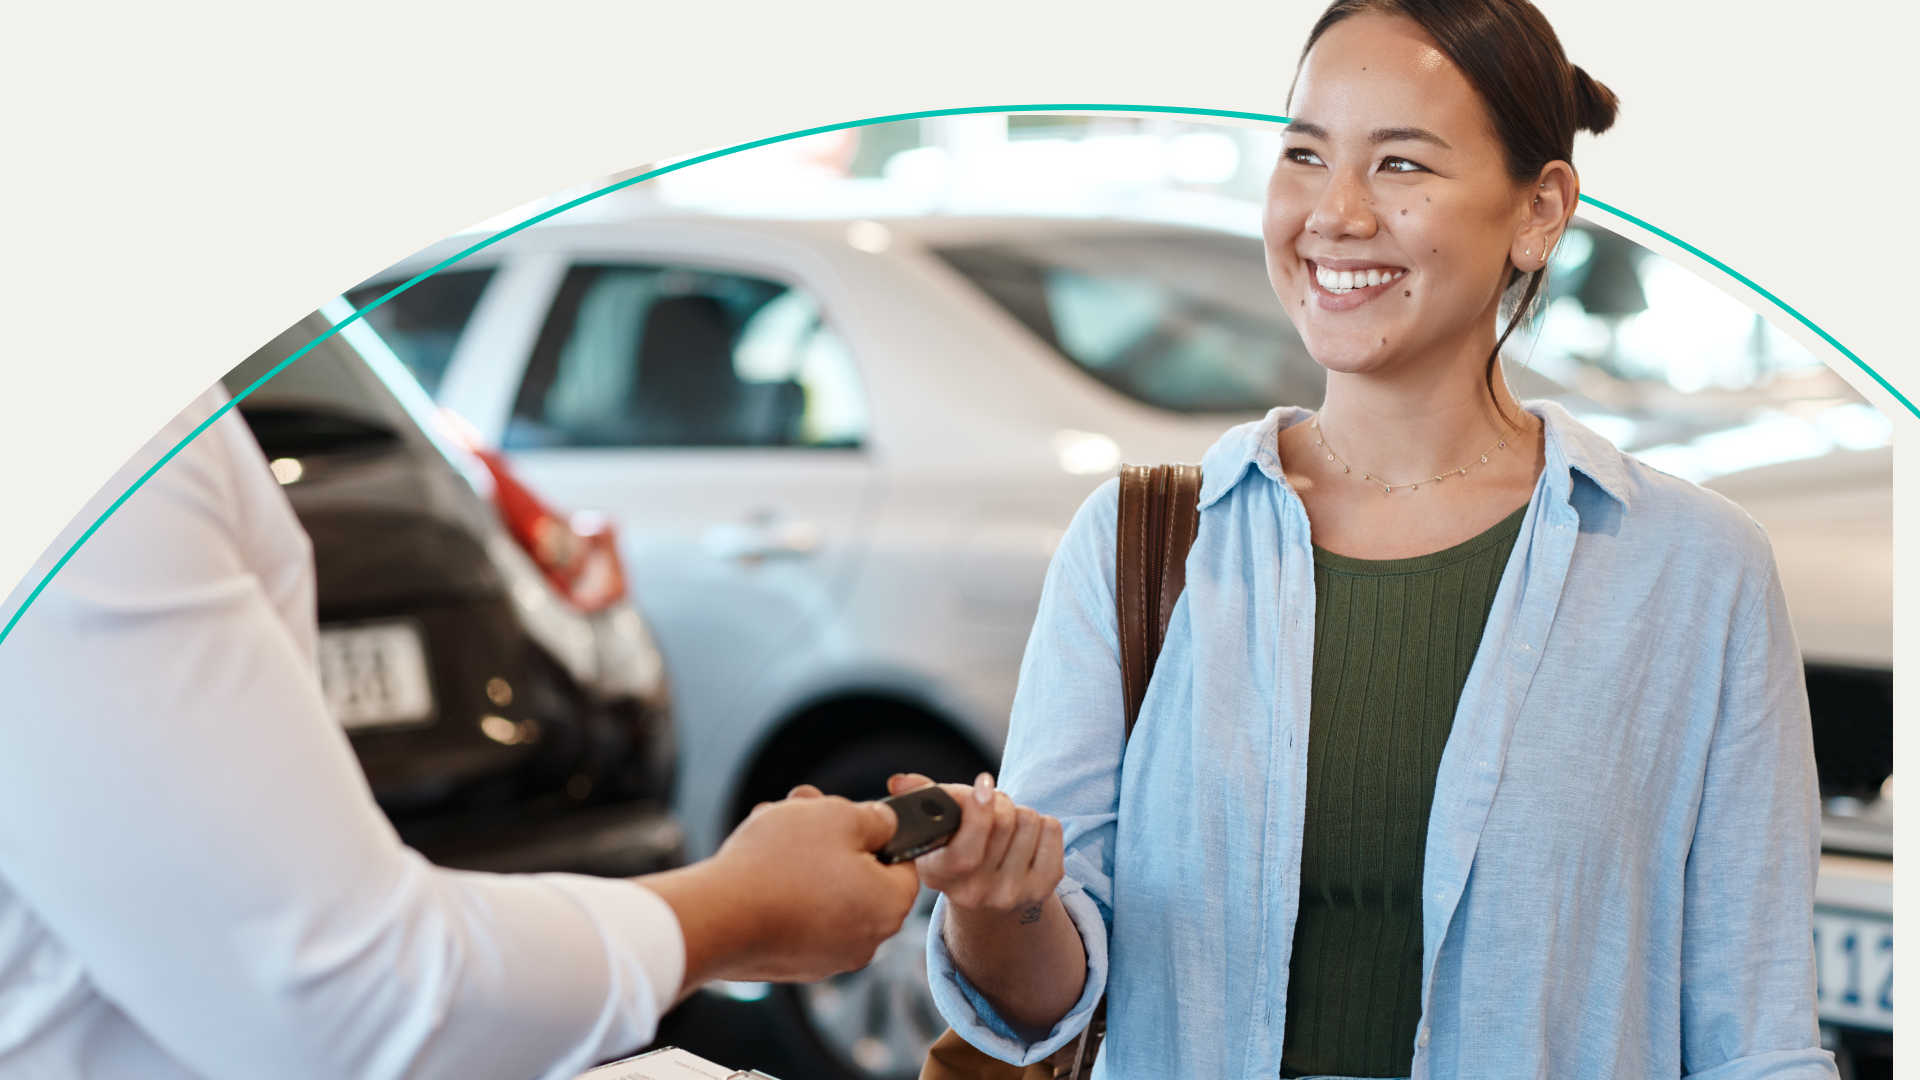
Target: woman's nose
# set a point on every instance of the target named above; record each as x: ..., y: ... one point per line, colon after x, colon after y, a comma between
x: 1344, y: 210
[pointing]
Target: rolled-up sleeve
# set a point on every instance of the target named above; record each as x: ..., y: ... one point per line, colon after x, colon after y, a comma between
x: 1065, y: 740
x: 182, y: 815
x: 1747, y: 960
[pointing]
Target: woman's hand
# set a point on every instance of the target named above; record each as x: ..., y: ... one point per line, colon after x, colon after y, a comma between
x: 1005, y: 859
x: 1006, y: 930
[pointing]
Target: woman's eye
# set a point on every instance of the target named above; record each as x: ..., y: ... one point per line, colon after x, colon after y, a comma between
x: 1303, y: 157
x: 1401, y: 165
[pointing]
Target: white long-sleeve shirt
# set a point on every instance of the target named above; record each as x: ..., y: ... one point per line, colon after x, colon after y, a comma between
x: 195, y: 880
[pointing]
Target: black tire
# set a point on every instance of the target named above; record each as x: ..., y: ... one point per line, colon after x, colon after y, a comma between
x: 875, y: 1023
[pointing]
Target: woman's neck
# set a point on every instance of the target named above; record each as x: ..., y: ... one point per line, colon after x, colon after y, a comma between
x: 1408, y: 425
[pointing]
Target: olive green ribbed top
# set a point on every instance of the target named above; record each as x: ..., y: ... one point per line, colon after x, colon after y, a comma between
x: 1393, y: 641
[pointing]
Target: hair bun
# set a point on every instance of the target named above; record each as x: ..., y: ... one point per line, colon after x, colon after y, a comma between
x: 1597, y: 106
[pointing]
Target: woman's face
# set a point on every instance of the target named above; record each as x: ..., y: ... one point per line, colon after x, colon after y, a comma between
x: 1391, y: 173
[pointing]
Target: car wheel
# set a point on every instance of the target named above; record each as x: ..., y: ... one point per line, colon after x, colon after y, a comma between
x: 878, y: 1022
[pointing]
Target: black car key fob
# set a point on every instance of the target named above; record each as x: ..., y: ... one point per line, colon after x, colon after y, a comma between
x: 927, y: 819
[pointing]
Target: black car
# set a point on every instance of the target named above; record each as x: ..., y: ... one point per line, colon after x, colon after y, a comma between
x: 505, y: 699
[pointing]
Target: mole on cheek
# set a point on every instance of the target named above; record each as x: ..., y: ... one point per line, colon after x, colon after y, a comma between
x: 1409, y: 292
x: 1403, y: 213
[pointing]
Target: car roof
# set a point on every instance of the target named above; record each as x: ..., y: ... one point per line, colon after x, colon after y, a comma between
x: 933, y: 230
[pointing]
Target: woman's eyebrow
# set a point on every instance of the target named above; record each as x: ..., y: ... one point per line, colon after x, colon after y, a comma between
x: 1408, y: 134
x: 1379, y: 135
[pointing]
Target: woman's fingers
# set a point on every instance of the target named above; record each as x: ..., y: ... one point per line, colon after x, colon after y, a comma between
x: 1017, y: 874
x: 966, y: 852
x: 1003, y: 855
x: 1049, y: 858
x: 1005, y: 822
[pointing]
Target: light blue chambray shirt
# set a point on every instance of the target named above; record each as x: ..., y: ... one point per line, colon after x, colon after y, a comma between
x: 1625, y: 829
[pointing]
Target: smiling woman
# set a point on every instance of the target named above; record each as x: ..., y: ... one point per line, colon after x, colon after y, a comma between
x: 1476, y: 746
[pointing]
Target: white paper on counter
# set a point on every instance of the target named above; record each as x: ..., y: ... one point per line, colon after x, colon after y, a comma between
x: 671, y: 1063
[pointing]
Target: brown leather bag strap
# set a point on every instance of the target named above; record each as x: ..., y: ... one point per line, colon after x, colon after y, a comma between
x: 1159, y: 517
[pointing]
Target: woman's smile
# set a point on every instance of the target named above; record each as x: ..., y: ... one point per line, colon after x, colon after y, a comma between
x: 1344, y: 284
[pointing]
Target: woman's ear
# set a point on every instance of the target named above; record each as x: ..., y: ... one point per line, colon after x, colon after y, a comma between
x: 1551, y: 200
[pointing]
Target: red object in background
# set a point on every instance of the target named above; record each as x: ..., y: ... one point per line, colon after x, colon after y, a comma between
x: 577, y: 553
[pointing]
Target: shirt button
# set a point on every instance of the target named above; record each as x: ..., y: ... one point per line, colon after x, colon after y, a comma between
x: 1526, y: 648
x: 1423, y: 1035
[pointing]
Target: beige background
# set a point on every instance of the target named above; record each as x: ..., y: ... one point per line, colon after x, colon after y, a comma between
x: 185, y: 180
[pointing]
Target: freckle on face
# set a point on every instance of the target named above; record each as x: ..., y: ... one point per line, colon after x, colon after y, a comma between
x: 1403, y: 213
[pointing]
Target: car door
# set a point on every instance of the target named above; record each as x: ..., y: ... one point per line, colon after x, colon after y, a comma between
x: 717, y: 416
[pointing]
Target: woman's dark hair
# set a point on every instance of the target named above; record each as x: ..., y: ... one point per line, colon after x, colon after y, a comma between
x: 1535, y: 98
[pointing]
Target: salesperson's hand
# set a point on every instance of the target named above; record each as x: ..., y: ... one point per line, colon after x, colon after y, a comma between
x: 1005, y: 858
x: 794, y: 895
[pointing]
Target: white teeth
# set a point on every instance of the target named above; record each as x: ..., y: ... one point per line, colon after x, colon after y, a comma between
x: 1345, y: 281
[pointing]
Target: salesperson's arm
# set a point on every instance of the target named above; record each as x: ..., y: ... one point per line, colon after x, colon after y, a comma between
x: 181, y: 813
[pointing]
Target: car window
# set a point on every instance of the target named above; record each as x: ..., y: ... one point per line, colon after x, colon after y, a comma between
x: 423, y: 324
x: 1183, y: 322
x: 675, y: 356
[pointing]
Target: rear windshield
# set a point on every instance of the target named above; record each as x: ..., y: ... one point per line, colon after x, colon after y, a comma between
x: 423, y: 324
x: 1186, y: 322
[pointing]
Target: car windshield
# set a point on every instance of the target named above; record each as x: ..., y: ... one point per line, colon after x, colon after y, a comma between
x: 423, y: 324
x: 1183, y: 321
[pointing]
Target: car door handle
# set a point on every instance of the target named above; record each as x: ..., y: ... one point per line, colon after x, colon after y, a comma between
x: 759, y: 539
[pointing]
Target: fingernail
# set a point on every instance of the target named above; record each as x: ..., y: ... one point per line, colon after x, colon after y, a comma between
x: 983, y: 788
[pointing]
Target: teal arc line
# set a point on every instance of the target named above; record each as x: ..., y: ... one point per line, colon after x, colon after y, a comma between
x: 67, y: 556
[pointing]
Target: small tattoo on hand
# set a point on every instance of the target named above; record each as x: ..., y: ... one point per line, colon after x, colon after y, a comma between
x: 1031, y: 915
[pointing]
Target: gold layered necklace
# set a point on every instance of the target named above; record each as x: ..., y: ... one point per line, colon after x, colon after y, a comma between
x: 1320, y: 440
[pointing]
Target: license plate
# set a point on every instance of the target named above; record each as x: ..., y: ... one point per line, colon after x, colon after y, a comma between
x: 375, y: 675
x: 1855, y: 953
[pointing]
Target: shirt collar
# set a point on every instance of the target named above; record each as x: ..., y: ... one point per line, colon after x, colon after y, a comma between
x: 1570, y: 445
x: 1574, y: 445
